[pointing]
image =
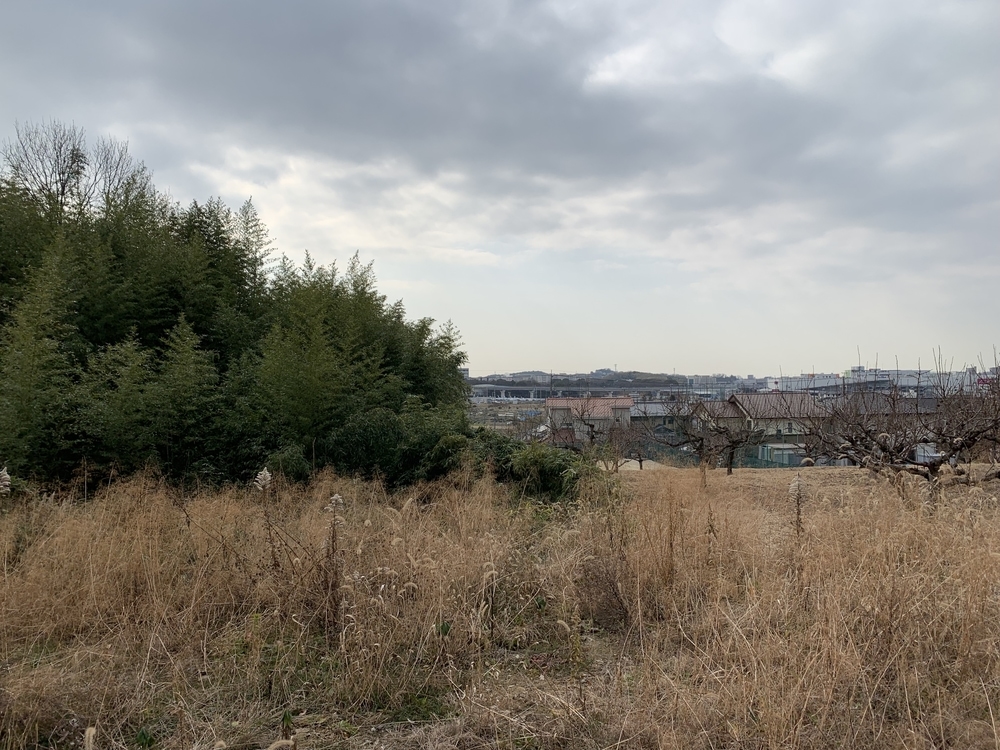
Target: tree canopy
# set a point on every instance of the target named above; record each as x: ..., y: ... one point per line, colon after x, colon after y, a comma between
x: 135, y: 331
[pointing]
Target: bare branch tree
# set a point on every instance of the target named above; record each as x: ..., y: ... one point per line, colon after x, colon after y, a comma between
x: 49, y: 161
x: 942, y: 422
x: 597, y: 426
x: 52, y: 163
x: 714, y: 431
x: 114, y: 176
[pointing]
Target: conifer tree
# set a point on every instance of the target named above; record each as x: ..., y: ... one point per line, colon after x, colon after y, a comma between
x: 37, y: 386
x: 117, y: 415
x: 182, y: 401
x: 134, y: 330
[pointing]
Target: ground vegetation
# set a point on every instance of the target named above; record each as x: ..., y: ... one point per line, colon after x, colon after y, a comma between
x: 808, y: 608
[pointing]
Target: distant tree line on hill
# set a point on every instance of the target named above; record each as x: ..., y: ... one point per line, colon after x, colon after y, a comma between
x: 137, y: 331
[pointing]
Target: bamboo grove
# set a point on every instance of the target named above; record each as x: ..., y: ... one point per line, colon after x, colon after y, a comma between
x: 136, y: 332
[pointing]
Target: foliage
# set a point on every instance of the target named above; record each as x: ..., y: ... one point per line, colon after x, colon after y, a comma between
x: 135, y: 331
x: 117, y: 404
x: 371, y: 441
x: 537, y: 469
x: 37, y: 390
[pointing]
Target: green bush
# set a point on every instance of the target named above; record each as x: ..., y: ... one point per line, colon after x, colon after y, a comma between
x: 497, y: 451
x: 444, y: 457
x: 549, y: 472
x: 541, y: 471
x: 370, y: 442
x: 290, y: 461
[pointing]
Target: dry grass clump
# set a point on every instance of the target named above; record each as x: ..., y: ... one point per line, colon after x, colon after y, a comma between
x: 656, y: 613
x: 186, y: 617
x: 876, y: 626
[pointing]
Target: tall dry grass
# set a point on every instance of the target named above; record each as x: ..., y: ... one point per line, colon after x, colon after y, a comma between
x: 186, y: 617
x: 876, y: 624
x: 657, y: 613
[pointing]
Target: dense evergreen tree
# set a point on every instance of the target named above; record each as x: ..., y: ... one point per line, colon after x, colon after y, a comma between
x: 37, y: 388
x: 134, y: 331
x: 183, y: 399
x: 24, y: 235
x: 117, y: 408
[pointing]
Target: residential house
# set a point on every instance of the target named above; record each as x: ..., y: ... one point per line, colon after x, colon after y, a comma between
x: 720, y: 415
x: 770, y: 427
x: 667, y: 419
x: 780, y: 417
x: 577, y: 422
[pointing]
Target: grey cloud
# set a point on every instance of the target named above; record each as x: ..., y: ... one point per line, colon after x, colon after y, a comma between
x: 375, y: 79
x: 894, y: 133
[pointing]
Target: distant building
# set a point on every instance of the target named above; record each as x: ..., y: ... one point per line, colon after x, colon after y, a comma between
x: 531, y: 376
x: 781, y: 417
x: 662, y: 418
x: 575, y: 422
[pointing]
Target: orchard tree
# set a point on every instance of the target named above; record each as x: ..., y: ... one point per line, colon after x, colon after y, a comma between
x: 946, y: 421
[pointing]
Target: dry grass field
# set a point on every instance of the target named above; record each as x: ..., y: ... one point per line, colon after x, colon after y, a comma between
x: 656, y: 613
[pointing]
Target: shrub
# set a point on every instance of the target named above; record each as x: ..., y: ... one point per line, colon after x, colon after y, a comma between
x: 370, y: 442
x: 291, y: 461
x: 542, y: 471
x: 444, y: 457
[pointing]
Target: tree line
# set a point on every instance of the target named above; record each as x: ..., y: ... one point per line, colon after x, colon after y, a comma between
x: 135, y: 332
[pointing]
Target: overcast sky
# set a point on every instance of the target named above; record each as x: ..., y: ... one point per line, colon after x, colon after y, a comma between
x: 671, y: 186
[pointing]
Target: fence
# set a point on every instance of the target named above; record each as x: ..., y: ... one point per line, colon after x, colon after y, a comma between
x: 745, y: 459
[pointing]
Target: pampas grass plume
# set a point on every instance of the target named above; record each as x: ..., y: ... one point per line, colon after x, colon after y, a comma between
x: 263, y: 480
